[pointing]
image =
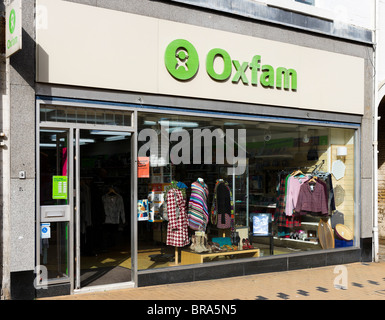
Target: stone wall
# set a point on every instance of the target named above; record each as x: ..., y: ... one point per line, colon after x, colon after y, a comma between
x: 381, y: 170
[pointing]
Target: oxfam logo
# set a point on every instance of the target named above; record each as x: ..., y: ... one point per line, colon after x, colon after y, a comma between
x: 12, y: 21
x: 181, y: 59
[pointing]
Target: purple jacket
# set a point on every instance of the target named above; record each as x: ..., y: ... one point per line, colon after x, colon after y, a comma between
x: 312, y: 201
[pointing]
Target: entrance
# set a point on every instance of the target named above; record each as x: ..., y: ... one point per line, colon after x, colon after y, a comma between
x: 104, y: 229
x: 84, y: 213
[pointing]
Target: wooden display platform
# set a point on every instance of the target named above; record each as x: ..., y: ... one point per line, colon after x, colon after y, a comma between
x: 191, y: 257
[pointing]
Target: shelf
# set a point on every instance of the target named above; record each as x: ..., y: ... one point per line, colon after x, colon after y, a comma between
x: 296, y: 240
x: 288, y: 156
x: 271, y: 206
x: 309, y: 223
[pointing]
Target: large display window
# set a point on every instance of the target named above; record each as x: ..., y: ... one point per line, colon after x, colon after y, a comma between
x: 214, y: 189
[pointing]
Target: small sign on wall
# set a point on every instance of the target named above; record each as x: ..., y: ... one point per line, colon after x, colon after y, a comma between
x: 13, y: 28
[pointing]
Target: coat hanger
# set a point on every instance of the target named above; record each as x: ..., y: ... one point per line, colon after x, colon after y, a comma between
x: 313, y: 179
x: 296, y: 173
x: 112, y: 191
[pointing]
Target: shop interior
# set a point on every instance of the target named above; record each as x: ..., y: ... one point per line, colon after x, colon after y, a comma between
x: 273, y: 151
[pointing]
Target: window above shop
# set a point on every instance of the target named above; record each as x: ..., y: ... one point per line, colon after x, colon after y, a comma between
x: 311, y: 2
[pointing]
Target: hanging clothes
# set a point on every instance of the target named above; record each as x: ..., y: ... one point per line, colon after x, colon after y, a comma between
x: 177, y: 227
x: 327, y: 178
x: 198, y: 214
x: 85, y: 206
x: 113, y: 208
x: 292, y: 192
x: 280, y: 217
x: 222, y: 208
x: 312, y: 199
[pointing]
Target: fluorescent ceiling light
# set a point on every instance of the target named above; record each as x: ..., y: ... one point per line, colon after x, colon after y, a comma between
x: 52, y: 131
x: 115, y: 138
x: 149, y: 123
x: 185, y: 124
x: 48, y: 145
x: 111, y: 133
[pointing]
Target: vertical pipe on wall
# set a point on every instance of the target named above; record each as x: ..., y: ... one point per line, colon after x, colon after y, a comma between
x: 375, y: 136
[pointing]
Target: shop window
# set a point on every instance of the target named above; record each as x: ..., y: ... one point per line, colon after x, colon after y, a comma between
x: 214, y: 176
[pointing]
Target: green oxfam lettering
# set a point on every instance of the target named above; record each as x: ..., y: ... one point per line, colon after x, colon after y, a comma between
x: 182, y: 62
x: 181, y: 59
x: 12, y: 21
x: 211, y: 56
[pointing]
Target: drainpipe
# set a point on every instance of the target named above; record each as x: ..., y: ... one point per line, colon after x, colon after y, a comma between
x: 375, y: 136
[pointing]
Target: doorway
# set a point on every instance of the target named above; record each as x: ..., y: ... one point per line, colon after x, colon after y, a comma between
x: 84, y: 219
x: 103, y: 226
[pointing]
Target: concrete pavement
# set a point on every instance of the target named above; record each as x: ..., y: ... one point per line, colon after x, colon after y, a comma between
x: 356, y: 281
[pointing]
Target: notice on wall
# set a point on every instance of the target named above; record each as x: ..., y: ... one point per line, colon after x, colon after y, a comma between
x: 143, y: 167
x: 60, y: 187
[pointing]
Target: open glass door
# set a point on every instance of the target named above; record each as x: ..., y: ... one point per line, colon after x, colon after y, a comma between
x: 103, y: 208
x: 86, y: 205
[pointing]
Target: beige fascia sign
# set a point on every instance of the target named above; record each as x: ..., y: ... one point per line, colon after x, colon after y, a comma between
x: 148, y: 55
x: 13, y: 26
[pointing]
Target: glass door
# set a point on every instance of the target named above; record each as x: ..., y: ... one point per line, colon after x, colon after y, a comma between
x: 85, y: 199
x: 55, y: 207
x: 103, y: 208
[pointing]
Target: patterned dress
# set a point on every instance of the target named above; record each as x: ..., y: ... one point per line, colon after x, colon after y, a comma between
x: 177, y: 228
x: 198, y: 214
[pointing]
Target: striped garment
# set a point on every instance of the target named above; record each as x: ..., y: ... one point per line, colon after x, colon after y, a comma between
x: 198, y: 213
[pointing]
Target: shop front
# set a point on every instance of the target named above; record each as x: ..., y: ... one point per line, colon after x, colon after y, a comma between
x: 189, y: 158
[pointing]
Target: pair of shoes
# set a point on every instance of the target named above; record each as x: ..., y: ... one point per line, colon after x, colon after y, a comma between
x: 199, y: 242
x: 214, y: 247
x: 228, y: 247
x: 246, y: 244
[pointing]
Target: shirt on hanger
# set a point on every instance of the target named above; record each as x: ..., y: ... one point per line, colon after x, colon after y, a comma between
x: 312, y: 199
x: 113, y: 208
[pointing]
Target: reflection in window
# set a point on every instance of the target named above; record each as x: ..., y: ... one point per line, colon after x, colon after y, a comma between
x: 294, y: 173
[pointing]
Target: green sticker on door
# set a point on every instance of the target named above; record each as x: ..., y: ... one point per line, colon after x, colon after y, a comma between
x: 59, y: 187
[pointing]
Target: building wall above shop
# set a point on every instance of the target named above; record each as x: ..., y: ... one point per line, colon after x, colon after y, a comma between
x: 134, y: 57
x: 351, y: 20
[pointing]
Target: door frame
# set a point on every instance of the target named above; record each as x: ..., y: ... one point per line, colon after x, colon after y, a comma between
x: 74, y: 166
